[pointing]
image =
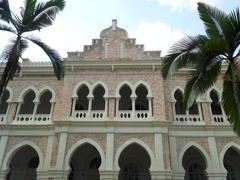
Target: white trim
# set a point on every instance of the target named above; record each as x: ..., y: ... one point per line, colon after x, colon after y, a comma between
x: 47, y: 88
x: 10, y: 154
x: 78, y: 86
x: 143, y: 83
x: 223, y: 152
x: 199, y: 148
x: 130, y: 142
x: 79, y: 144
x: 25, y: 91
x: 127, y: 83
x: 100, y: 83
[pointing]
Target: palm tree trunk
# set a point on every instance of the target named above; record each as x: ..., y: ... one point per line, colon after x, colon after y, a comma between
x: 10, y: 67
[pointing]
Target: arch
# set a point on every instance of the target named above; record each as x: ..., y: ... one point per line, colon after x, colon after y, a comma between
x: 117, y: 94
x: 199, y: 148
x: 172, y: 98
x: 79, y: 144
x: 47, y: 88
x: 216, y: 90
x: 223, y: 152
x: 138, y: 142
x: 78, y: 86
x: 100, y: 83
x: 12, y: 152
x: 25, y: 91
x: 143, y: 83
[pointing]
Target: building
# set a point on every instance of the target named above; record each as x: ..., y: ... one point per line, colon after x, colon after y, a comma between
x: 112, y: 117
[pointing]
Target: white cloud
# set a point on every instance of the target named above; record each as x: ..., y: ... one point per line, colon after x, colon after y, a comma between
x: 156, y: 36
x: 185, y: 4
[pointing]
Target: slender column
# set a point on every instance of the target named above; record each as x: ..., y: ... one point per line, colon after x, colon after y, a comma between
x: 106, y: 106
x: 61, y: 150
x: 51, y: 111
x: 3, y: 145
x: 90, y: 106
x: 35, y: 110
x: 150, y: 106
x: 73, y: 106
x: 18, y: 109
x: 133, y: 106
x: 48, y: 157
x: 117, y: 106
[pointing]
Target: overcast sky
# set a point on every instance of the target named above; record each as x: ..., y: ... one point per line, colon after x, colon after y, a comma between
x: 155, y: 23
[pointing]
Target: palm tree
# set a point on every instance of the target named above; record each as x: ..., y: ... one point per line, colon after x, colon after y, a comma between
x: 33, y: 16
x: 205, y: 54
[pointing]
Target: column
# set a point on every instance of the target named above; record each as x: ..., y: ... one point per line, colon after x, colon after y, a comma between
x: 89, y: 106
x: 159, y: 152
x: 133, y: 106
x: 178, y: 172
x: 215, y: 172
x: 74, y: 99
x: 108, y: 173
x: 106, y: 107
x: 117, y: 106
x: 35, y: 110
x: 3, y: 145
x: 150, y: 106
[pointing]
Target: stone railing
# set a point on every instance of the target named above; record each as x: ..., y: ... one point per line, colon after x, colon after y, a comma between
x: 101, y: 114
x: 3, y: 118
x: 219, y: 119
x: 189, y: 119
x: 143, y: 114
x: 32, y: 119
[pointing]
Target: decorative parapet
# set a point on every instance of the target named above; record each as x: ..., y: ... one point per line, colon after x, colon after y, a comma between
x: 114, y: 44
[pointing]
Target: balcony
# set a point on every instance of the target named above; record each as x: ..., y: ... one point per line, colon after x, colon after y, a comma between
x: 219, y: 120
x: 30, y: 119
x: 188, y: 119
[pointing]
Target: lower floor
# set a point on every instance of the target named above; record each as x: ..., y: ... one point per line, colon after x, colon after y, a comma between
x: 139, y: 153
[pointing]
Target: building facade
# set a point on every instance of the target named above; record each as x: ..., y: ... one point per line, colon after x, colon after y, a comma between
x: 112, y: 117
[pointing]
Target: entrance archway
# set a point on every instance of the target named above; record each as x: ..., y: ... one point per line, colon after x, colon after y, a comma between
x: 85, y: 163
x: 194, y: 164
x: 134, y: 163
x: 23, y: 165
x: 232, y: 164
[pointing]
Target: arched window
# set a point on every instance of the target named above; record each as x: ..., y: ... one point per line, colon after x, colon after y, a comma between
x: 178, y: 104
x: 215, y: 105
x: 98, y: 102
x: 82, y: 100
x: 44, y: 106
x: 27, y: 107
x: 4, y: 104
x: 141, y: 101
x: 125, y: 102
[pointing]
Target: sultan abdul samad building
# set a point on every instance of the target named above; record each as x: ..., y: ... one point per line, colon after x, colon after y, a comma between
x: 112, y: 117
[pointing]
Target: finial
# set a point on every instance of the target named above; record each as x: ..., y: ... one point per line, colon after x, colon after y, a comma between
x: 114, y: 24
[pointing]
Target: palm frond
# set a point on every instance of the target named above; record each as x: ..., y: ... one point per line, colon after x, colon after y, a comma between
x: 230, y: 104
x: 53, y: 55
x: 181, y: 54
x: 44, y: 14
x: 213, y: 19
x: 5, y: 13
x: 6, y: 27
x: 27, y: 12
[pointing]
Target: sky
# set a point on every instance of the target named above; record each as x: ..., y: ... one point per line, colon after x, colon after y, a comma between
x: 155, y: 23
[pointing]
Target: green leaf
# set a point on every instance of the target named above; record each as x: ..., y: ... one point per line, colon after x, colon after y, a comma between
x: 212, y: 18
x: 53, y: 55
x: 181, y: 54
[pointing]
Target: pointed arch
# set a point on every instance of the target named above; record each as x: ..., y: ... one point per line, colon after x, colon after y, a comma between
x: 10, y: 98
x: 127, y: 83
x: 199, y: 148
x: 78, y: 86
x: 143, y: 83
x: 223, y: 152
x: 47, y: 88
x: 25, y: 91
x: 128, y: 143
x: 10, y: 154
x: 172, y: 98
x: 79, y: 144
x: 216, y: 90
x: 100, y: 83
